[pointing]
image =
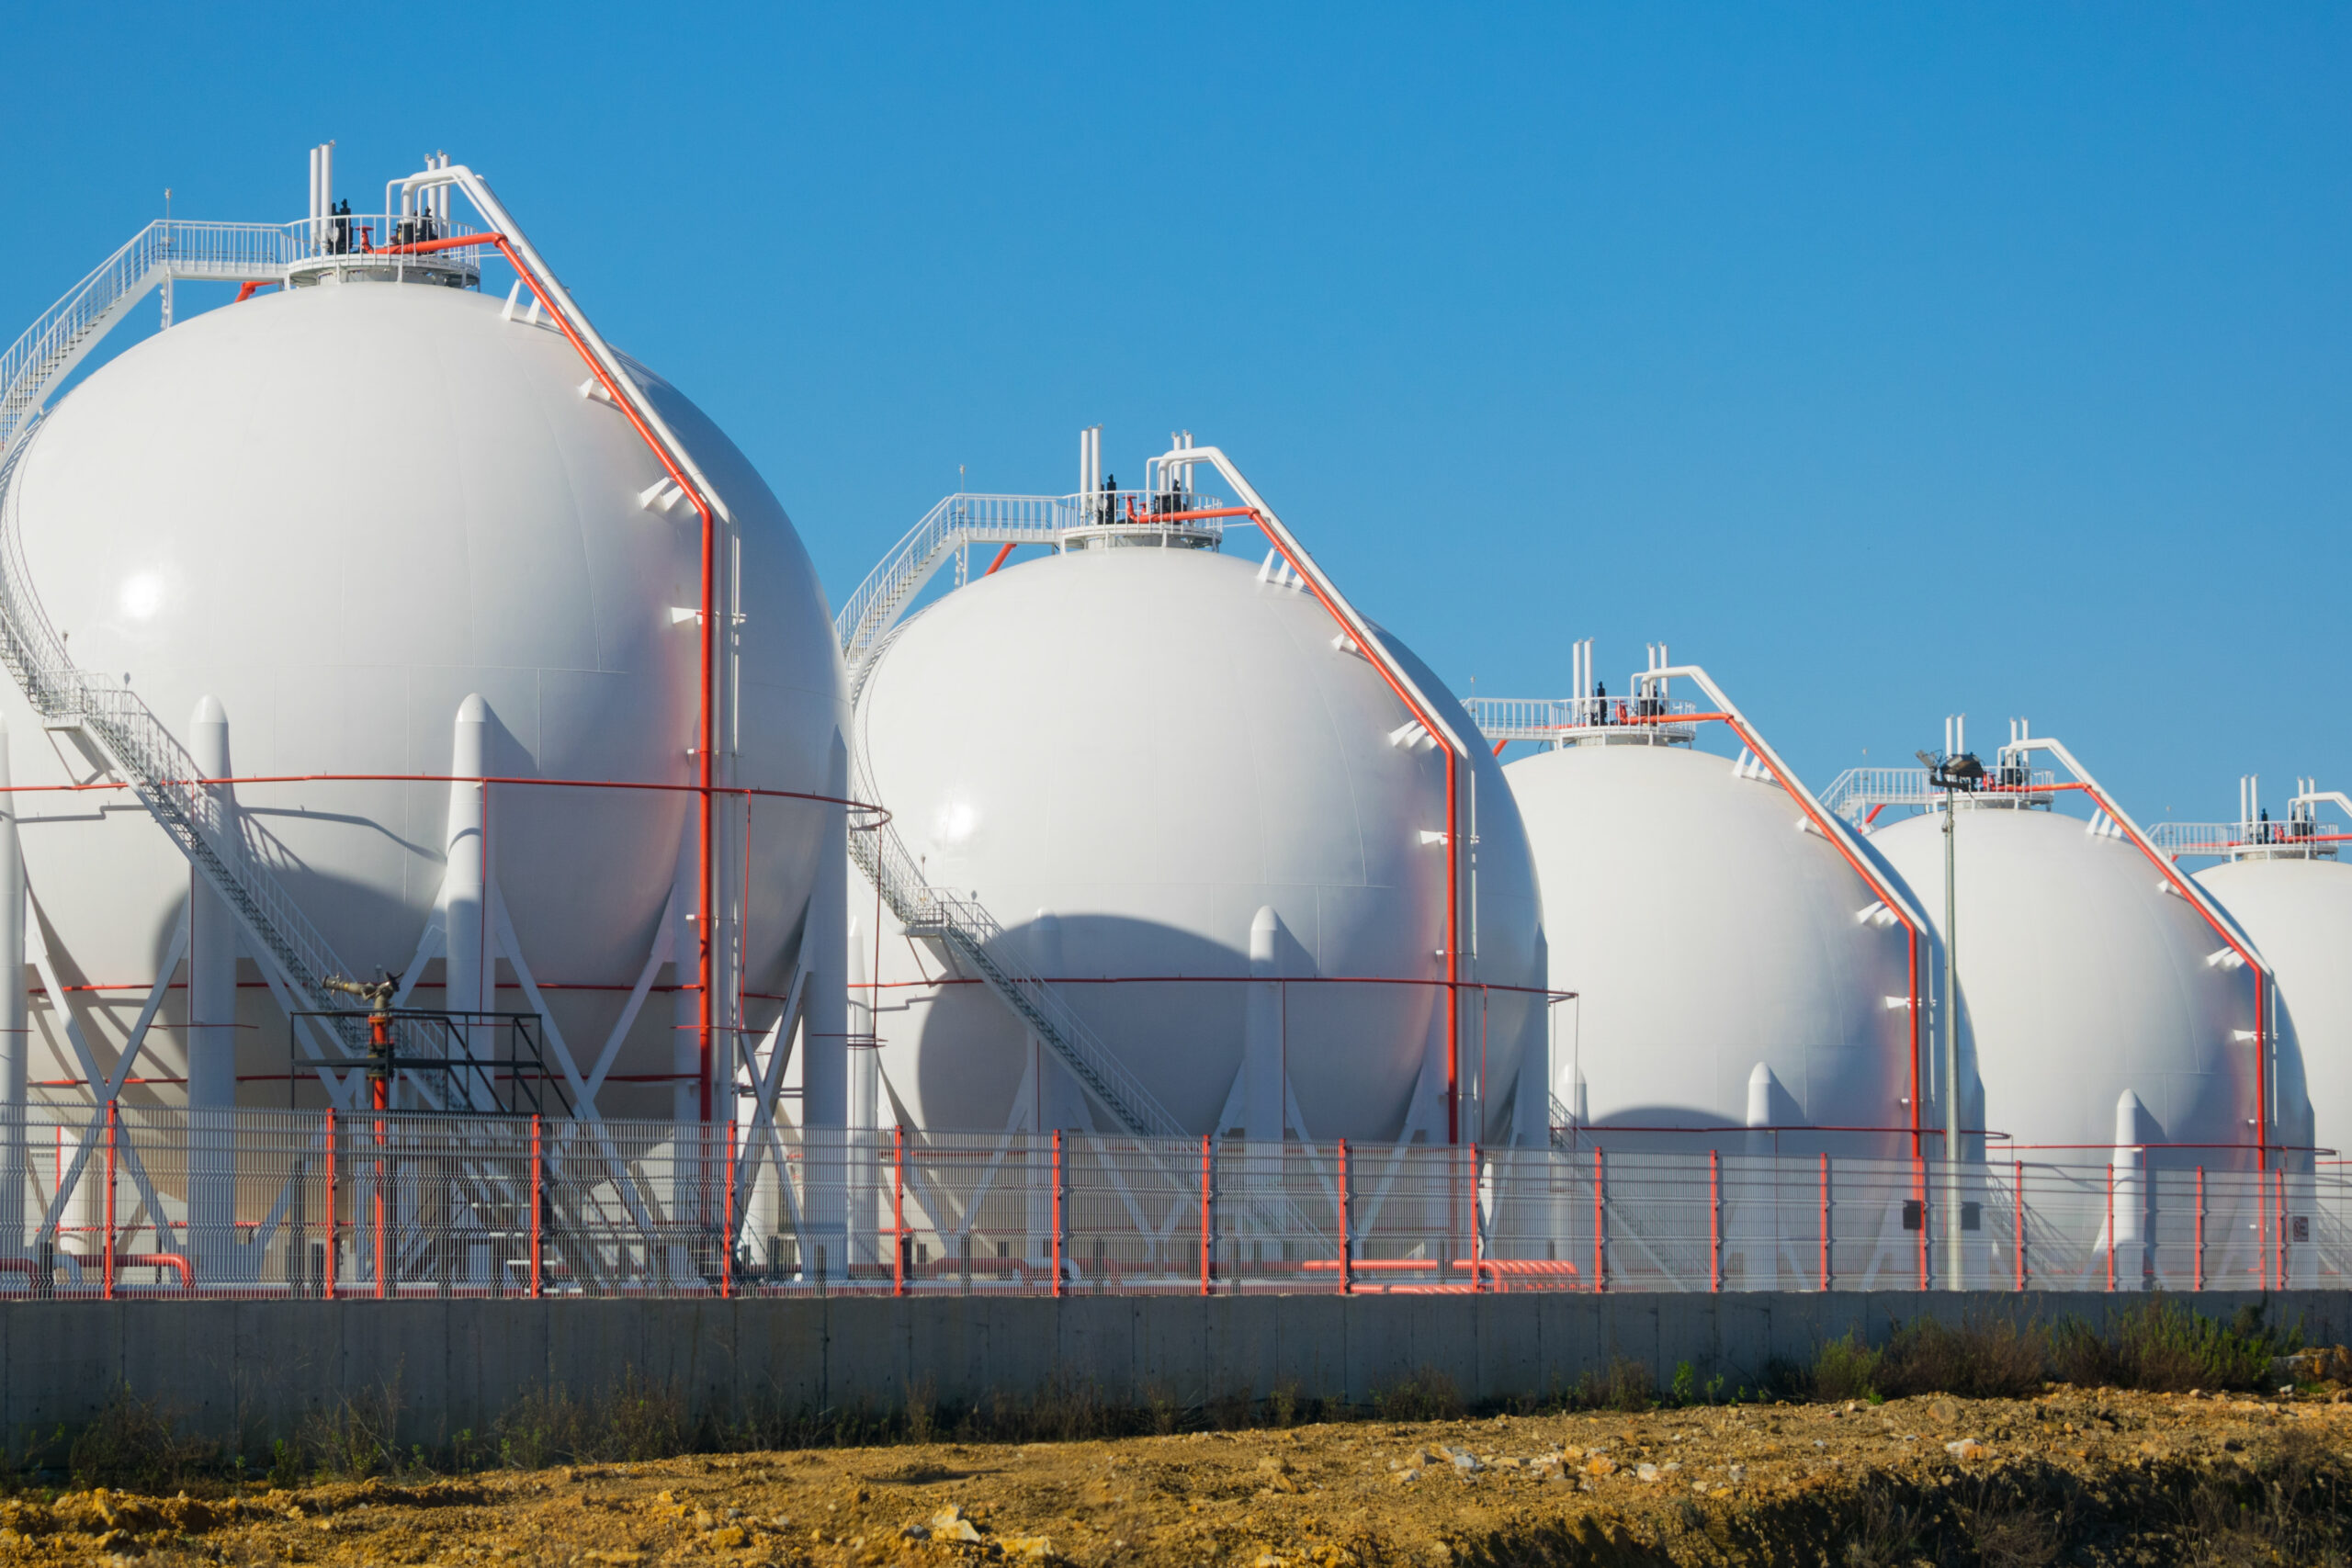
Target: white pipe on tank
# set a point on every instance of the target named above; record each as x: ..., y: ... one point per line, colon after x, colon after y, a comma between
x: 833, y: 1011
x: 468, y: 966
x: 1532, y: 1099
x: 1759, y: 1100
x: 2128, y: 1170
x: 311, y: 212
x: 15, y: 1018
x: 1752, y: 1230
x: 1261, y: 1033
x: 211, y: 1020
x: 825, y: 1026
x: 860, y: 1169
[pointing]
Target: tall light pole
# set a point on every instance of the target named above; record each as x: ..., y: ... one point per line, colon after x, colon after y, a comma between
x: 1954, y: 775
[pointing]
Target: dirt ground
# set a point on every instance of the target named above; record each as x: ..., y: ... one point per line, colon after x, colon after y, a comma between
x: 2072, y: 1475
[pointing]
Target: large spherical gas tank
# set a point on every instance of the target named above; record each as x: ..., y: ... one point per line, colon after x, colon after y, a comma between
x: 2087, y: 977
x: 1707, y: 934
x: 340, y: 511
x: 2298, y: 913
x: 1127, y: 753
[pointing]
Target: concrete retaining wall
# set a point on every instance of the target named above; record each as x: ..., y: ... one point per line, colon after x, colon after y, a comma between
x: 246, y: 1371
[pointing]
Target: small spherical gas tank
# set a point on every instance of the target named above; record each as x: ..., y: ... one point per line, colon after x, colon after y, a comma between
x: 2089, y: 977
x: 1147, y: 763
x: 339, y: 513
x: 2298, y: 913
x: 1731, y: 967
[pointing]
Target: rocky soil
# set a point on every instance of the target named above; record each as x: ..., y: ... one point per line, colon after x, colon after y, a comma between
x: 2081, y: 1476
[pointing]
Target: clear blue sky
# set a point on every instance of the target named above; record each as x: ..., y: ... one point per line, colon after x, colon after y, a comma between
x: 1888, y: 360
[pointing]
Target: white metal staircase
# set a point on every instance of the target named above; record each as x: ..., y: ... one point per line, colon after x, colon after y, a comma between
x: 39, y: 360
x: 976, y: 936
x: 978, y: 940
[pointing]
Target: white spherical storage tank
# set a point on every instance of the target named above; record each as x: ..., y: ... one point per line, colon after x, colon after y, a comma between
x: 2298, y: 912
x: 337, y: 517
x: 1148, y: 764
x: 1730, y: 967
x: 2088, y: 978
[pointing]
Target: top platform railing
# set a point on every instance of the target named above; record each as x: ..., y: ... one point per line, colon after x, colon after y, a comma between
x: 1858, y: 792
x: 1559, y: 719
x: 961, y: 520
x: 46, y: 353
x: 2250, y: 840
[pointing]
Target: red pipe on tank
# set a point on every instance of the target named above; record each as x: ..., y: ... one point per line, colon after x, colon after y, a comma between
x: 706, y: 889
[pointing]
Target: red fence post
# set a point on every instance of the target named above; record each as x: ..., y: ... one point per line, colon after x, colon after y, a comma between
x: 1714, y: 1220
x: 2282, y: 1229
x: 1205, y: 1215
x: 1600, y: 1225
x: 107, y: 1273
x: 1920, y: 1187
x: 378, y: 1094
x: 1057, y: 1178
x: 539, y: 1192
x: 2200, y: 1228
x: 1346, y: 1237
x: 2017, y: 1216
x: 335, y: 1241
x: 897, y: 1211
x: 1825, y: 1220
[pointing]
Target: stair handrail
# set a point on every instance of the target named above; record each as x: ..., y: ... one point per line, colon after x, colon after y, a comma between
x: 962, y: 518
x: 32, y: 366
x: 970, y: 517
x: 975, y: 934
x: 228, y: 847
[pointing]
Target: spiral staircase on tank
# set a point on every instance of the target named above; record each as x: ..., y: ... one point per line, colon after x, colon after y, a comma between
x: 865, y: 625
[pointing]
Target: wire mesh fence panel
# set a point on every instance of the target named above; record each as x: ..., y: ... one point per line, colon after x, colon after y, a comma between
x: 121, y: 1201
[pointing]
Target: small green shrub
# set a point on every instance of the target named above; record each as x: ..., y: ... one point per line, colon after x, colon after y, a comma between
x: 1427, y: 1395
x: 2165, y: 1347
x: 352, y: 1438
x: 287, y: 1470
x: 1993, y: 1358
x: 1845, y: 1368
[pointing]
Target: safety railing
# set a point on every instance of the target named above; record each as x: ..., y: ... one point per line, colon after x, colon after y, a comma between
x: 977, y: 938
x: 868, y: 613
x: 128, y: 1201
x: 230, y: 850
x: 46, y: 353
x: 1549, y: 719
x: 2224, y: 840
x: 1856, y: 793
